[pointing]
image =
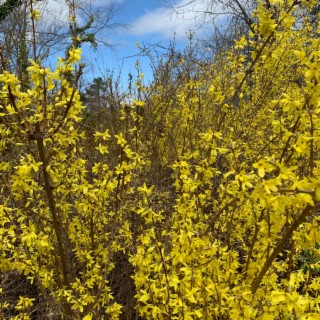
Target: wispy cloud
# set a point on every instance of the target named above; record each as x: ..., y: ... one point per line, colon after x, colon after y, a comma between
x: 54, y: 11
x: 179, y: 19
x: 58, y: 10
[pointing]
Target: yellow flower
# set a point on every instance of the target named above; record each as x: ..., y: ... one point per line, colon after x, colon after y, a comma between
x: 35, y: 15
x: 263, y: 166
x: 74, y: 55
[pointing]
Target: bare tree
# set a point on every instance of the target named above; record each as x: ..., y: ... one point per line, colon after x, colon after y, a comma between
x: 54, y: 30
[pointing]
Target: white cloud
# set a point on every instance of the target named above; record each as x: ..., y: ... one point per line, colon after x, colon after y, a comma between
x: 54, y: 11
x: 58, y: 10
x: 179, y: 20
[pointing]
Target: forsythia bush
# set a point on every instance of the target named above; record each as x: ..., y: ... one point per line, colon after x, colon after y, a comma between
x: 61, y: 216
x: 236, y: 233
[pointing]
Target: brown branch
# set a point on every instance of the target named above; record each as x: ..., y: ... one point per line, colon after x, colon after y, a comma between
x: 69, y: 103
x: 159, y: 247
x: 33, y: 28
x: 247, y: 19
x: 253, y: 241
x: 45, y: 103
x: 312, y: 129
x: 52, y: 208
x: 289, y: 138
x: 280, y: 245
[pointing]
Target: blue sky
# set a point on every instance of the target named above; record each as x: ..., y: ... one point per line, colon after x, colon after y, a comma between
x: 146, y: 22
x: 135, y: 16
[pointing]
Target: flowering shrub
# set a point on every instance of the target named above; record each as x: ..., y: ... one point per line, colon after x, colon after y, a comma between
x: 236, y: 233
